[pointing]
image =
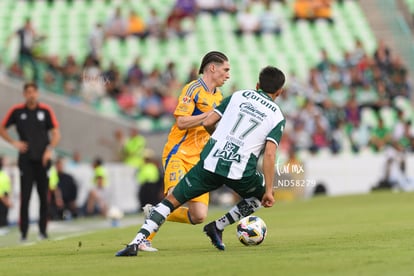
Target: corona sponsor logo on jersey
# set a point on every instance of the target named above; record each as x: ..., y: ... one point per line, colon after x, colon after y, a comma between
x: 258, y: 98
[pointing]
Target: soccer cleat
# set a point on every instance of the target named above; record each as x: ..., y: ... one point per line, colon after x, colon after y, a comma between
x: 215, y: 235
x: 147, y: 210
x: 129, y: 251
x: 146, y: 246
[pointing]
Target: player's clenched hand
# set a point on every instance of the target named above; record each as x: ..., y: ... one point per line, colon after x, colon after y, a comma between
x: 268, y: 200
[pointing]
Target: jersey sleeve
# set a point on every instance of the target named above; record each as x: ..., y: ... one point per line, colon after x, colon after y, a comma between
x: 276, y: 134
x: 223, y: 105
x: 51, y: 119
x: 9, y: 119
x: 186, y: 103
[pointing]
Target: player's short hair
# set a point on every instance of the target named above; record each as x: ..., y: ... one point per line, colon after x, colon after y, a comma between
x: 271, y: 79
x: 29, y: 85
x: 213, y: 56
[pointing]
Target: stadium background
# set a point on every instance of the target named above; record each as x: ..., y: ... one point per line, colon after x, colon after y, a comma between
x: 296, y: 50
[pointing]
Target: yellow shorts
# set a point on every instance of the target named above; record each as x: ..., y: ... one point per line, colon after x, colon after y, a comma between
x: 174, y: 172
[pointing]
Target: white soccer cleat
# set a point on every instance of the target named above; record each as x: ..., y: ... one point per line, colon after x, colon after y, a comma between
x: 146, y: 246
x: 147, y: 210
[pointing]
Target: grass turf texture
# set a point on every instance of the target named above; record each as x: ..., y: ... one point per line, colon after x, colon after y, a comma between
x: 353, y: 235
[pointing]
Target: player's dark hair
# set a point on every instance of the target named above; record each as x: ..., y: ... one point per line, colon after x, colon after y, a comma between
x: 213, y: 56
x: 271, y: 79
x: 29, y: 85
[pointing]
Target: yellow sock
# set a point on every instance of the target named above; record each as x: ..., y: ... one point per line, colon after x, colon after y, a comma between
x: 179, y: 215
x: 151, y: 236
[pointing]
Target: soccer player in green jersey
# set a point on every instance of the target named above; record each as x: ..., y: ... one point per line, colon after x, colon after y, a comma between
x: 243, y: 126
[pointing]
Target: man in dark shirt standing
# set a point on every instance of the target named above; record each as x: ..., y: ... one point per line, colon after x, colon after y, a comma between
x: 34, y: 122
x: 27, y: 38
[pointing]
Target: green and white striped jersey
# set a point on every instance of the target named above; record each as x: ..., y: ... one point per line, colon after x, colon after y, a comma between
x: 249, y: 119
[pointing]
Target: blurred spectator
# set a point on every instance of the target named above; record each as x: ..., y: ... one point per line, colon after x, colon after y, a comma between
x: 382, y: 55
x: 116, y: 144
x: 55, y: 201
x: 214, y: 7
x: 69, y: 191
x: 300, y: 137
x: 133, y: 150
x: 63, y: 193
x: 151, y: 104
x: 15, y: 70
x: 352, y: 111
x: 93, y: 83
x: 181, y: 10
x: 312, y: 10
x: 154, y: 82
x: 407, y: 140
x: 74, y: 161
x: 135, y: 74
x: 395, y: 172
x: 360, y: 136
x: 112, y: 80
x: 155, y: 25
x: 98, y: 198
x: 398, y: 75
x: 169, y: 102
x: 71, y: 71
x: 5, y: 199
x: 247, y: 22
x: 95, y: 41
x: 117, y: 25
x: 27, y: 38
x: 269, y: 21
x: 127, y: 101
x: 150, y: 180
x: 136, y: 25
x: 357, y: 53
x: 193, y: 73
x: 380, y: 136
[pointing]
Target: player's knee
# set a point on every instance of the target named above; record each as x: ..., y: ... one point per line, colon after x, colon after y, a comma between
x: 197, y: 219
x: 198, y: 216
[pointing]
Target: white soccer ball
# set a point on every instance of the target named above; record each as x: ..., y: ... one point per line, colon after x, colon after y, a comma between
x: 251, y: 230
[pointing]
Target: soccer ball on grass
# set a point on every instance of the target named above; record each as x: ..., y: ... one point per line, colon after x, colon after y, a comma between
x: 251, y: 230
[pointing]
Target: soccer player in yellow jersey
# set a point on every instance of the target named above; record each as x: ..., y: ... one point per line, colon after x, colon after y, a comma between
x: 187, y: 137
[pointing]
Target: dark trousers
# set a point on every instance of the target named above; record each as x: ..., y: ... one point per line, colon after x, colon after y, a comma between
x: 31, y: 172
x: 4, y: 210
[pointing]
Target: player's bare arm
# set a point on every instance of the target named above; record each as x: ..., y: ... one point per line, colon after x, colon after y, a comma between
x: 210, y: 122
x: 19, y: 145
x: 186, y: 122
x: 269, y: 158
x: 54, y: 140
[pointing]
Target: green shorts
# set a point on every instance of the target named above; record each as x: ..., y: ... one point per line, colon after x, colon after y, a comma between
x: 199, y: 181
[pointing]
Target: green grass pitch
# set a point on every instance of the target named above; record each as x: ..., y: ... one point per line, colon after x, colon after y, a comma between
x: 352, y: 235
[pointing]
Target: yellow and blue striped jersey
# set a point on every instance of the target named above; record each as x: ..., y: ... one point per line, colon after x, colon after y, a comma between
x: 187, y: 144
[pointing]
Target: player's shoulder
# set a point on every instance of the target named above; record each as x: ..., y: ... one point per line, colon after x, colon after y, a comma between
x: 191, y: 88
x: 44, y: 106
x: 17, y: 107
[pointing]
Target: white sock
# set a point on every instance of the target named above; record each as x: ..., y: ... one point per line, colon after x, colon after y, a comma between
x: 243, y: 209
x: 156, y: 219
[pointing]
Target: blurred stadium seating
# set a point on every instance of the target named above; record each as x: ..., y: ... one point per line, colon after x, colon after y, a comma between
x: 67, y: 26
